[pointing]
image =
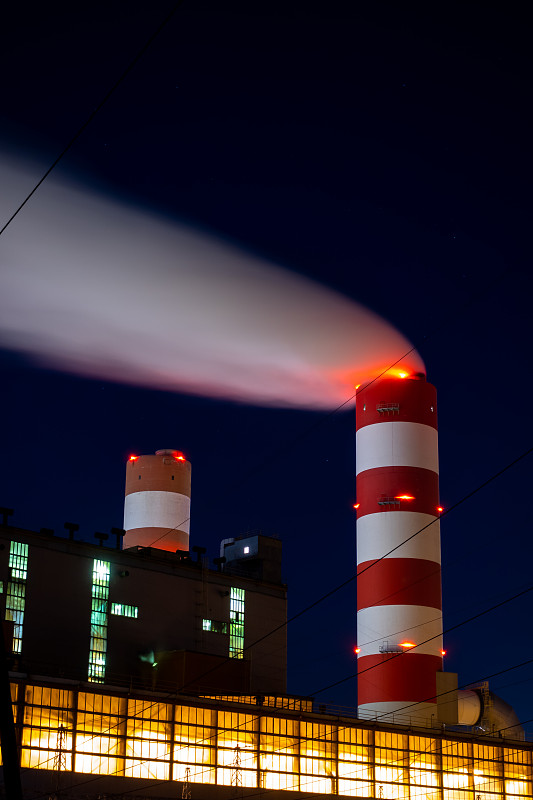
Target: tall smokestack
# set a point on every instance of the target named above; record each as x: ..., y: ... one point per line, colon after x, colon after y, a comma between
x: 399, y: 598
x: 157, y: 506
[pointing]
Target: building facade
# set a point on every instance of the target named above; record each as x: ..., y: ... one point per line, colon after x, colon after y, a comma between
x: 86, y: 740
x: 142, y: 617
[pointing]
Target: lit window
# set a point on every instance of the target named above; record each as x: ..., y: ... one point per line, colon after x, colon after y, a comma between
x: 18, y: 560
x: 121, y: 610
x: 215, y: 626
x: 16, y: 591
x: 99, y: 611
x: 246, y: 550
x: 236, y: 623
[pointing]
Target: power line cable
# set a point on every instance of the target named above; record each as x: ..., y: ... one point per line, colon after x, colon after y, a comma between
x: 98, y: 108
x: 437, y: 636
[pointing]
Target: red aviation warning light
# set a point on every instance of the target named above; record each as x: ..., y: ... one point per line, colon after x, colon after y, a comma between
x: 440, y: 509
x: 396, y: 372
x: 443, y: 652
x: 404, y: 497
x: 407, y: 645
x: 179, y: 456
x: 357, y: 650
x: 356, y: 505
x: 133, y: 458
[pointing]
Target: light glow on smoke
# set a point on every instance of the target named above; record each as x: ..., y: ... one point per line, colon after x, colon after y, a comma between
x: 99, y: 288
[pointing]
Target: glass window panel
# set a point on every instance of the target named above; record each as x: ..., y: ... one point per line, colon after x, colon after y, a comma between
x: 423, y: 744
x: 194, y: 716
x: 98, y: 764
x: 227, y: 758
x: 278, y: 762
x: 486, y: 752
x: 456, y: 763
x: 316, y: 766
x: 228, y: 777
x: 317, y: 740
x: 515, y: 756
x: 193, y: 773
x: 517, y: 789
x: 457, y: 794
x: 317, y: 785
x: 282, y: 727
x: 354, y: 735
x: 423, y: 777
x: 521, y: 771
x: 354, y: 771
x: 392, y: 791
x: 194, y: 755
x: 237, y: 730
x: 452, y: 748
x: 391, y: 740
x: 390, y: 774
x: 147, y: 769
x: 144, y: 748
x: 356, y: 788
x: 456, y: 780
x: 424, y: 793
x: 42, y: 759
x: 353, y: 752
x: 275, y: 780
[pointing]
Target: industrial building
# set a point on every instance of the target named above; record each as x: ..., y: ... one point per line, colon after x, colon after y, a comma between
x: 138, y: 669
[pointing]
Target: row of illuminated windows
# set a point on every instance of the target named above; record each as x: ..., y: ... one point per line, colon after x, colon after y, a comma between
x: 132, y: 736
x: 122, y: 610
x: 270, y: 701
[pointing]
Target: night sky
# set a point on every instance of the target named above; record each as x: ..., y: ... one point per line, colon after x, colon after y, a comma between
x: 381, y: 149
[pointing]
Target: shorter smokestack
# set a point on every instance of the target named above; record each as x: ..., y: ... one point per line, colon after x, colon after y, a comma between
x: 158, y: 501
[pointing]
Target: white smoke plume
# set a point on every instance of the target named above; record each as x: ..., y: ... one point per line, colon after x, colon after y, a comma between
x: 92, y: 286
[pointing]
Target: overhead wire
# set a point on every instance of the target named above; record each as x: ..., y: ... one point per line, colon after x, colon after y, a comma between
x: 431, y: 638
x: 96, y: 110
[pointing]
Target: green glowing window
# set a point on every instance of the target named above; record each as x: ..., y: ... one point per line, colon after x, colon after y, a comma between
x: 99, y: 611
x: 215, y: 626
x: 236, y: 623
x: 121, y: 610
x: 18, y: 560
x: 16, y: 591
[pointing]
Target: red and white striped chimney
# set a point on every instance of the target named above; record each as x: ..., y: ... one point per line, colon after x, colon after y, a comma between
x: 399, y: 616
x: 157, y: 505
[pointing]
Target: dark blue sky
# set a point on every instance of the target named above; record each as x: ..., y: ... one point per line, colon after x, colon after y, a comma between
x: 381, y: 149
